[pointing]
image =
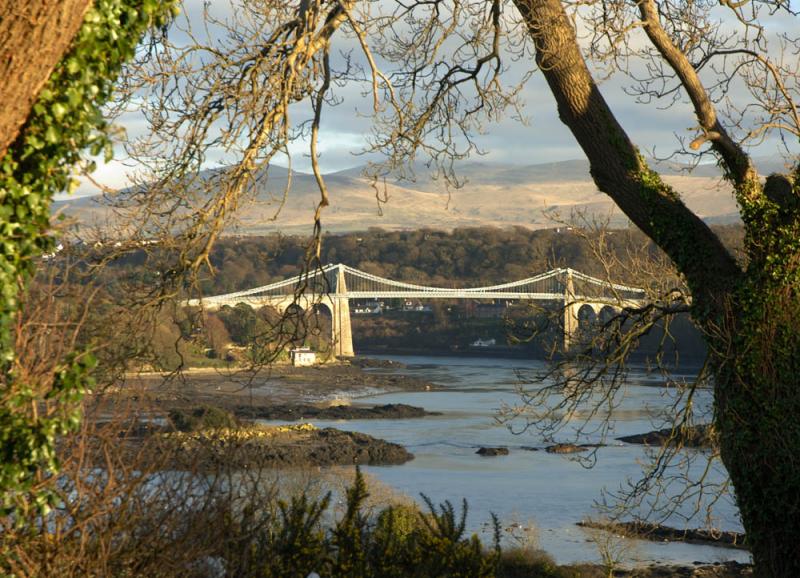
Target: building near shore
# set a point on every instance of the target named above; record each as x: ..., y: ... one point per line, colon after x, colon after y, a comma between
x: 302, y: 356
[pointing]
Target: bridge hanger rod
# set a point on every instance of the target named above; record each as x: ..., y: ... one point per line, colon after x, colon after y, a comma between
x: 596, y: 281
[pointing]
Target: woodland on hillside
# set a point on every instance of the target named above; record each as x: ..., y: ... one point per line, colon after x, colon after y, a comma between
x: 463, y: 257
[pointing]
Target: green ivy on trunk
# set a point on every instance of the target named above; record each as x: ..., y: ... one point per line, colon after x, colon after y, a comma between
x: 66, y: 121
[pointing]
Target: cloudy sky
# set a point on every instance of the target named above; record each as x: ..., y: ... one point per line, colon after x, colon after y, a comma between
x: 544, y: 139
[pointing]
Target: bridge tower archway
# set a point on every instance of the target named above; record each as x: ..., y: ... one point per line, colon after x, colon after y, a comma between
x: 341, y: 332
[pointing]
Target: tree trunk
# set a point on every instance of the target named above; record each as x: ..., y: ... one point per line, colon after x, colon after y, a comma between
x: 751, y: 316
x: 34, y: 35
x: 759, y: 440
x: 757, y: 397
x: 616, y: 166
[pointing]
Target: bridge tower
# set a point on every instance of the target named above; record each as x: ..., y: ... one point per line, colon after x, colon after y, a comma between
x: 571, y: 307
x: 340, y: 314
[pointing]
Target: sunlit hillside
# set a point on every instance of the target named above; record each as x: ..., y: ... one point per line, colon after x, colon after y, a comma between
x: 492, y: 194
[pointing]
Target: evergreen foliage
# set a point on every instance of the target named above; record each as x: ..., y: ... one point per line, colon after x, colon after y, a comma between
x: 65, y: 121
x: 400, y: 542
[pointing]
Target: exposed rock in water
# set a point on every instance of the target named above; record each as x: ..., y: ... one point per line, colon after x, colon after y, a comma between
x: 492, y: 451
x: 308, y: 411
x: 334, y: 446
x: 565, y: 449
x: 660, y: 533
x: 698, y: 436
x: 365, y: 362
x: 289, y: 446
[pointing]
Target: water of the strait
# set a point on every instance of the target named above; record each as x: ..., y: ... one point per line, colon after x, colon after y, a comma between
x: 552, y: 491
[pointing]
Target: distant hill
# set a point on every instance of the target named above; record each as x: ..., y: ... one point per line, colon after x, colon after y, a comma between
x: 494, y: 195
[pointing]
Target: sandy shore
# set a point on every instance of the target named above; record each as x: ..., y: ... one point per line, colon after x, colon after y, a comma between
x: 279, y: 384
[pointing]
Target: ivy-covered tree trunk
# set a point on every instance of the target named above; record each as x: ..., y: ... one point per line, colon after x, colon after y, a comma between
x: 758, y: 404
x: 751, y: 313
x: 65, y: 120
x: 34, y: 35
x: 758, y: 386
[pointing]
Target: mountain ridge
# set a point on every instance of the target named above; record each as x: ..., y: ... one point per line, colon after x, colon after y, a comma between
x: 494, y: 194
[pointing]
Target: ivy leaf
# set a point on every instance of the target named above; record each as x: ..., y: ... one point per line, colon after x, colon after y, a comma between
x: 59, y: 110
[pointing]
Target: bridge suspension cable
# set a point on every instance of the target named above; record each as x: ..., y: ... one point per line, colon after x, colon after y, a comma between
x: 551, y: 285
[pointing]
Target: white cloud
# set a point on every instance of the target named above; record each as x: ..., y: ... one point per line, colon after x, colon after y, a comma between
x: 344, y: 130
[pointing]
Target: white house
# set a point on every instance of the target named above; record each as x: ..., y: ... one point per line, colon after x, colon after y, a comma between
x: 302, y: 356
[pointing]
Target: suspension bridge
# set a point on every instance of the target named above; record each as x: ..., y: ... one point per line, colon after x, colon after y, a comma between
x: 333, y: 286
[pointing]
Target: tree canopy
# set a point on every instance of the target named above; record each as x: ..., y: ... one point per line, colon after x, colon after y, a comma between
x: 438, y: 70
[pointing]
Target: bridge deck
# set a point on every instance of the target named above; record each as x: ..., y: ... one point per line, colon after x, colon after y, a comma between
x: 343, y: 282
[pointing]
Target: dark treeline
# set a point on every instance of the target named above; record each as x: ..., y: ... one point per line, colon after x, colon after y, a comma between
x: 463, y: 257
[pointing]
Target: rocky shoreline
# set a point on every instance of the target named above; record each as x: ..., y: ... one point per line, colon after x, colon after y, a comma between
x: 211, y: 415
x: 661, y: 533
x: 279, y: 447
x: 210, y: 443
x: 298, y: 411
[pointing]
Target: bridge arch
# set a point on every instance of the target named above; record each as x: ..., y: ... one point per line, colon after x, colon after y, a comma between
x: 587, y: 315
x: 607, y: 313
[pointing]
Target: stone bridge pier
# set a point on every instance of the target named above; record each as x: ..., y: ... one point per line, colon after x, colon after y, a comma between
x: 342, y: 332
x: 337, y: 306
x: 581, y: 314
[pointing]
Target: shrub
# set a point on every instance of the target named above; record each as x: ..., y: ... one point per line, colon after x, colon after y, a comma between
x: 521, y: 562
x: 200, y: 418
x: 400, y: 542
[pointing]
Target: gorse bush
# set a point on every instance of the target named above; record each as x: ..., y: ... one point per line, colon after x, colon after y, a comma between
x: 399, y: 542
x: 521, y: 562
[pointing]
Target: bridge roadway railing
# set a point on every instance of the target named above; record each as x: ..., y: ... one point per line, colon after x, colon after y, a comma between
x: 310, y: 298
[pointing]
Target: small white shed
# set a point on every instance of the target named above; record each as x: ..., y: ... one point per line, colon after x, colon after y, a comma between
x: 302, y: 356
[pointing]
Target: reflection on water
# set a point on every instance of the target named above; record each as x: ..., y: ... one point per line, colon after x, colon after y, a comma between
x: 553, y: 491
